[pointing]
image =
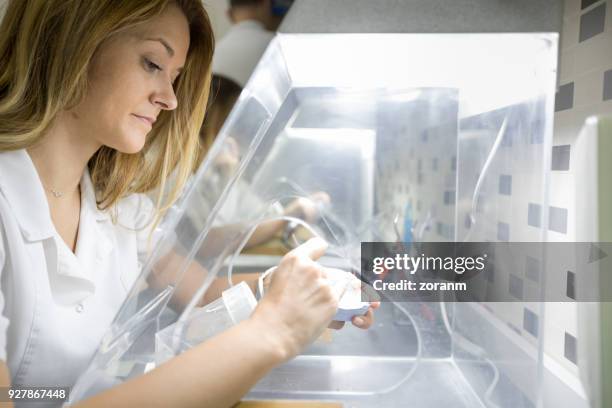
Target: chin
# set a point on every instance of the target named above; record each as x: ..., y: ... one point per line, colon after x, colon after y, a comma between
x: 130, y: 144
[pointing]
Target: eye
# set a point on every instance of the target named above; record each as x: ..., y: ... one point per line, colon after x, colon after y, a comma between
x: 151, y: 66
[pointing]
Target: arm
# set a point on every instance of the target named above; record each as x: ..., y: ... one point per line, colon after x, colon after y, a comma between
x: 306, y: 208
x: 195, y: 275
x: 199, y: 376
x: 164, y: 274
x: 294, y: 312
x: 5, y: 381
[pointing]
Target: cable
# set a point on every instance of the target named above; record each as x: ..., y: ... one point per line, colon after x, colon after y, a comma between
x: 483, y: 173
x: 252, y: 230
x: 457, y: 338
x: 474, y: 349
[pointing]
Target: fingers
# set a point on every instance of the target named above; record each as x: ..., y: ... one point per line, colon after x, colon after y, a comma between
x: 336, y: 325
x: 365, y: 321
x: 320, y: 197
x: 314, y: 248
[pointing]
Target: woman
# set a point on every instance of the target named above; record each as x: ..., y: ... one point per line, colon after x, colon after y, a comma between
x: 99, y: 102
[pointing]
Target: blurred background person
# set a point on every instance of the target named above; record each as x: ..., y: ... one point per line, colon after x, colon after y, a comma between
x: 242, y: 202
x: 254, y: 23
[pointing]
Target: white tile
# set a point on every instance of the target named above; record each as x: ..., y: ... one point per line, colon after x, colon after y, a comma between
x: 566, y: 129
x: 567, y: 64
x: 571, y: 8
x: 582, y: 113
x: 569, y: 32
x: 562, y: 315
x: 567, y: 126
x: 596, y: 53
x: 588, y: 89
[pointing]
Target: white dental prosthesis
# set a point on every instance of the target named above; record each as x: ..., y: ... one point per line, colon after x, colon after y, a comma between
x: 347, y: 288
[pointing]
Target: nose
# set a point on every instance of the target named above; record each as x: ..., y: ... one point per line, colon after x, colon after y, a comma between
x: 165, y: 97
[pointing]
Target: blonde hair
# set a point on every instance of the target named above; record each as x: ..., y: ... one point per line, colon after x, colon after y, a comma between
x: 45, y: 51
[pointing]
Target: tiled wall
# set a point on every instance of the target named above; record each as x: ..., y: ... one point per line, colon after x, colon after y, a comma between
x: 427, y: 182
x: 585, y: 79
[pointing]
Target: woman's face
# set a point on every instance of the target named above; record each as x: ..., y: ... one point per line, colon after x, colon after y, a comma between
x: 131, y: 81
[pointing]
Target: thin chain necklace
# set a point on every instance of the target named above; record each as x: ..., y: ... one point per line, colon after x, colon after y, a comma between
x: 56, y: 194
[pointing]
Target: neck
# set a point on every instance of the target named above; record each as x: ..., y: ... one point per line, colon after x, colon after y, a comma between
x: 61, y: 156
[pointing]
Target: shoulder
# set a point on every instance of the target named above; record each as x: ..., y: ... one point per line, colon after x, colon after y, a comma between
x: 134, y: 211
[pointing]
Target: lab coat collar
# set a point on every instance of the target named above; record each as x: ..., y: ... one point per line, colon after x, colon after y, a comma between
x: 23, y: 190
x: 24, y: 193
x: 88, y: 198
x: 72, y: 275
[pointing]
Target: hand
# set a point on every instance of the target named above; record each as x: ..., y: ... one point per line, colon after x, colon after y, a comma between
x: 368, y: 294
x: 307, y: 208
x: 365, y: 321
x: 227, y: 161
x: 299, y: 303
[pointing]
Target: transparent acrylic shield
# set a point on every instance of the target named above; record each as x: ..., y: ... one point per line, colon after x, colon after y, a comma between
x: 407, y: 136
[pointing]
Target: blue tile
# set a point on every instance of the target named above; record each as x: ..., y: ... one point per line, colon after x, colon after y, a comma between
x: 530, y: 322
x: 505, y: 184
x: 564, y: 99
x: 557, y: 220
x: 570, y: 290
x: 515, y: 287
x: 449, y: 198
x: 503, y: 231
x: 570, y: 349
x: 592, y: 22
x: 534, y: 215
x: 561, y: 158
x: 607, y: 86
x: 532, y: 269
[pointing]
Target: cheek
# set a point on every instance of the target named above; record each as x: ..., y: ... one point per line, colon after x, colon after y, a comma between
x: 116, y: 91
x: 114, y: 104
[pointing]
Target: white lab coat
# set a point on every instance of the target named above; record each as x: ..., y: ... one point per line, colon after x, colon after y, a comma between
x: 56, y: 305
x: 239, y: 51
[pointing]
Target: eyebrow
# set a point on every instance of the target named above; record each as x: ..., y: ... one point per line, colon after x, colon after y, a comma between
x: 168, y: 48
x: 165, y: 44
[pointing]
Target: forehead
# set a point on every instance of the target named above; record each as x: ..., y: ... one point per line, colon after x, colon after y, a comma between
x: 171, y: 27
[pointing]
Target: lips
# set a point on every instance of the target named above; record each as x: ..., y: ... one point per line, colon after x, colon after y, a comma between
x: 145, y: 119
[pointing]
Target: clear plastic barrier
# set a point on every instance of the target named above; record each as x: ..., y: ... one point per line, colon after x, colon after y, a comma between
x: 412, y: 138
